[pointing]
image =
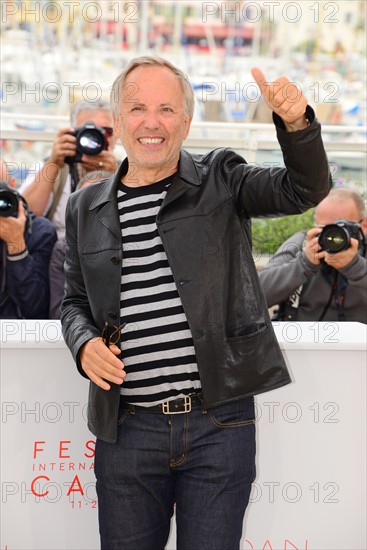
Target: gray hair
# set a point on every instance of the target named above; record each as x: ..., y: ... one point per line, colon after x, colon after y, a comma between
x: 92, y: 106
x: 341, y: 194
x: 152, y: 61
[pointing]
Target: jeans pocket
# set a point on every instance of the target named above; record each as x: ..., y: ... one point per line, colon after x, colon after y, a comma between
x: 122, y: 416
x: 235, y: 414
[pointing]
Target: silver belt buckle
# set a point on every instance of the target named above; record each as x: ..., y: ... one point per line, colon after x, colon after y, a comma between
x: 186, y: 404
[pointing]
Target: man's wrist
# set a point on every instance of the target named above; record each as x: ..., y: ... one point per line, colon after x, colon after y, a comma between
x: 307, y: 120
x: 53, y: 166
x: 299, y: 124
x: 310, y: 266
x: 14, y: 254
x: 48, y: 175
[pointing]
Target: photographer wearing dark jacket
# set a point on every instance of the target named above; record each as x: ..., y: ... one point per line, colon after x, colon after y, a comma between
x: 56, y: 270
x: 321, y: 274
x: 164, y: 313
x: 26, y: 244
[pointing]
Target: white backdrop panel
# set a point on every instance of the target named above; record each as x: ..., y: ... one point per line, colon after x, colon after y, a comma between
x: 310, y: 489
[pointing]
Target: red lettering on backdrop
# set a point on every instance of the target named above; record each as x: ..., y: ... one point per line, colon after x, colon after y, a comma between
x: 91, y: 445
x: 36, y: 449
x: 33, y: 484
x: 62, y: 448
x: 79, y: 487
x: 268, y: 546
x: 286, y: 547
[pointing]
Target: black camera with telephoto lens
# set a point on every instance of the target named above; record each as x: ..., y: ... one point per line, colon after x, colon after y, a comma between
x: 91, y: 140
x: 9, y: 201
x: 336, y: 236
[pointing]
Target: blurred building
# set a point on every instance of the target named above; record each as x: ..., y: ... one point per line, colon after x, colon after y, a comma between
x: 319, y: 44
x: 242, y: 27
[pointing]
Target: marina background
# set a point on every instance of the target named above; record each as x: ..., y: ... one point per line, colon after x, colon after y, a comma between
x: 54, y: 53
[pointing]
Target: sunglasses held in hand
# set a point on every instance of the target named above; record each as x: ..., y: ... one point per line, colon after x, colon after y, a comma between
x: 111, y: 334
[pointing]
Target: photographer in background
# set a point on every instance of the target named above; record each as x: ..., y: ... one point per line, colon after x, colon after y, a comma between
x: 309, y: 279
x: 26, y: 243
x: 56, y: 269
x: 48, y: 190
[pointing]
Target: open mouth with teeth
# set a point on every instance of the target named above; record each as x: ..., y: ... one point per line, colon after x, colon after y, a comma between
x: 151, y: 141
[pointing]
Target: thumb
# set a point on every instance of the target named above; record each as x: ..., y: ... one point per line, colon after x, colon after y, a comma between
x: 354, y: 243
x: 259, y: 78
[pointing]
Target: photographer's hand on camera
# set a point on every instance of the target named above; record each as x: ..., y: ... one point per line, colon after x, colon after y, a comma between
x: 315, y: 254
x: 106, y: 160
x: 312, y: 248
x: 343, y: 258
x: 64, y: 146
x: 12, y: 231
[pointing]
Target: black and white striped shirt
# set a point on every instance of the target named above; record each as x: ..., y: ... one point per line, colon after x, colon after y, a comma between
x: 157, y: 345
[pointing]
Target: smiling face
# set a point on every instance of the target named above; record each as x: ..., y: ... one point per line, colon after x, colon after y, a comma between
x: 152, y: 123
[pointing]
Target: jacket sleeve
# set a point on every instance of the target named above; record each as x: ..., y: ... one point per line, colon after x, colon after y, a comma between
x: 76, y: 317
x: 57, y: 278
x: 356, y: 273
x: 288, y: 269
x: 27, y: 278
x: 276, y: 191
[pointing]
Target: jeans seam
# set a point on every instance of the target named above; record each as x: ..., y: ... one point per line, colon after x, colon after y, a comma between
x: 174, y: 463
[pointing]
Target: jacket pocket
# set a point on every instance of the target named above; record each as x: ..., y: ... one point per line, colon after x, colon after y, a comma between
x: 246, y: 332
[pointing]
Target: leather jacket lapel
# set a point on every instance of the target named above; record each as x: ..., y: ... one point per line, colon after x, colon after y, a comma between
x: 186, y: 176
x: 105, y: 201
x: 108, y: 215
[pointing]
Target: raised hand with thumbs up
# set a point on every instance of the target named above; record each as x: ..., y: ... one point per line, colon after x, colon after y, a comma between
x: 285, y: 99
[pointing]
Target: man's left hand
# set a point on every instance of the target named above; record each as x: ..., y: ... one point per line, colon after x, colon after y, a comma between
x: 104, y: 161
x: 344, y: 258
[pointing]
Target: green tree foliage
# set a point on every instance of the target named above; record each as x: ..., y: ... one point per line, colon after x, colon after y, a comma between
x: 268, y: 234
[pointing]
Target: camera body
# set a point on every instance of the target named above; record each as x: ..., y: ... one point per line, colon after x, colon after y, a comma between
x: 336, y: 236
x: 91, y: 140
x: 9, y: 201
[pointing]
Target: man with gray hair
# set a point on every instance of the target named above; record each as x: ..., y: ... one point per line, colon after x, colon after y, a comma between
x: 164, y: 314
x: 47, y: 191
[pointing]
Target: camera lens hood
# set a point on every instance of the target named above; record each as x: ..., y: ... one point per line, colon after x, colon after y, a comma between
x: 91, y: 140
x: 334, y: 238
x: 9, y: 200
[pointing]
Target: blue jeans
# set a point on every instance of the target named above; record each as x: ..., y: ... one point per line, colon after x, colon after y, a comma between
x: 202, y: 462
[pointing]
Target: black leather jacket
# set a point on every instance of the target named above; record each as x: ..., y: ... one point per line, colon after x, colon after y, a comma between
x: 204, y: 223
